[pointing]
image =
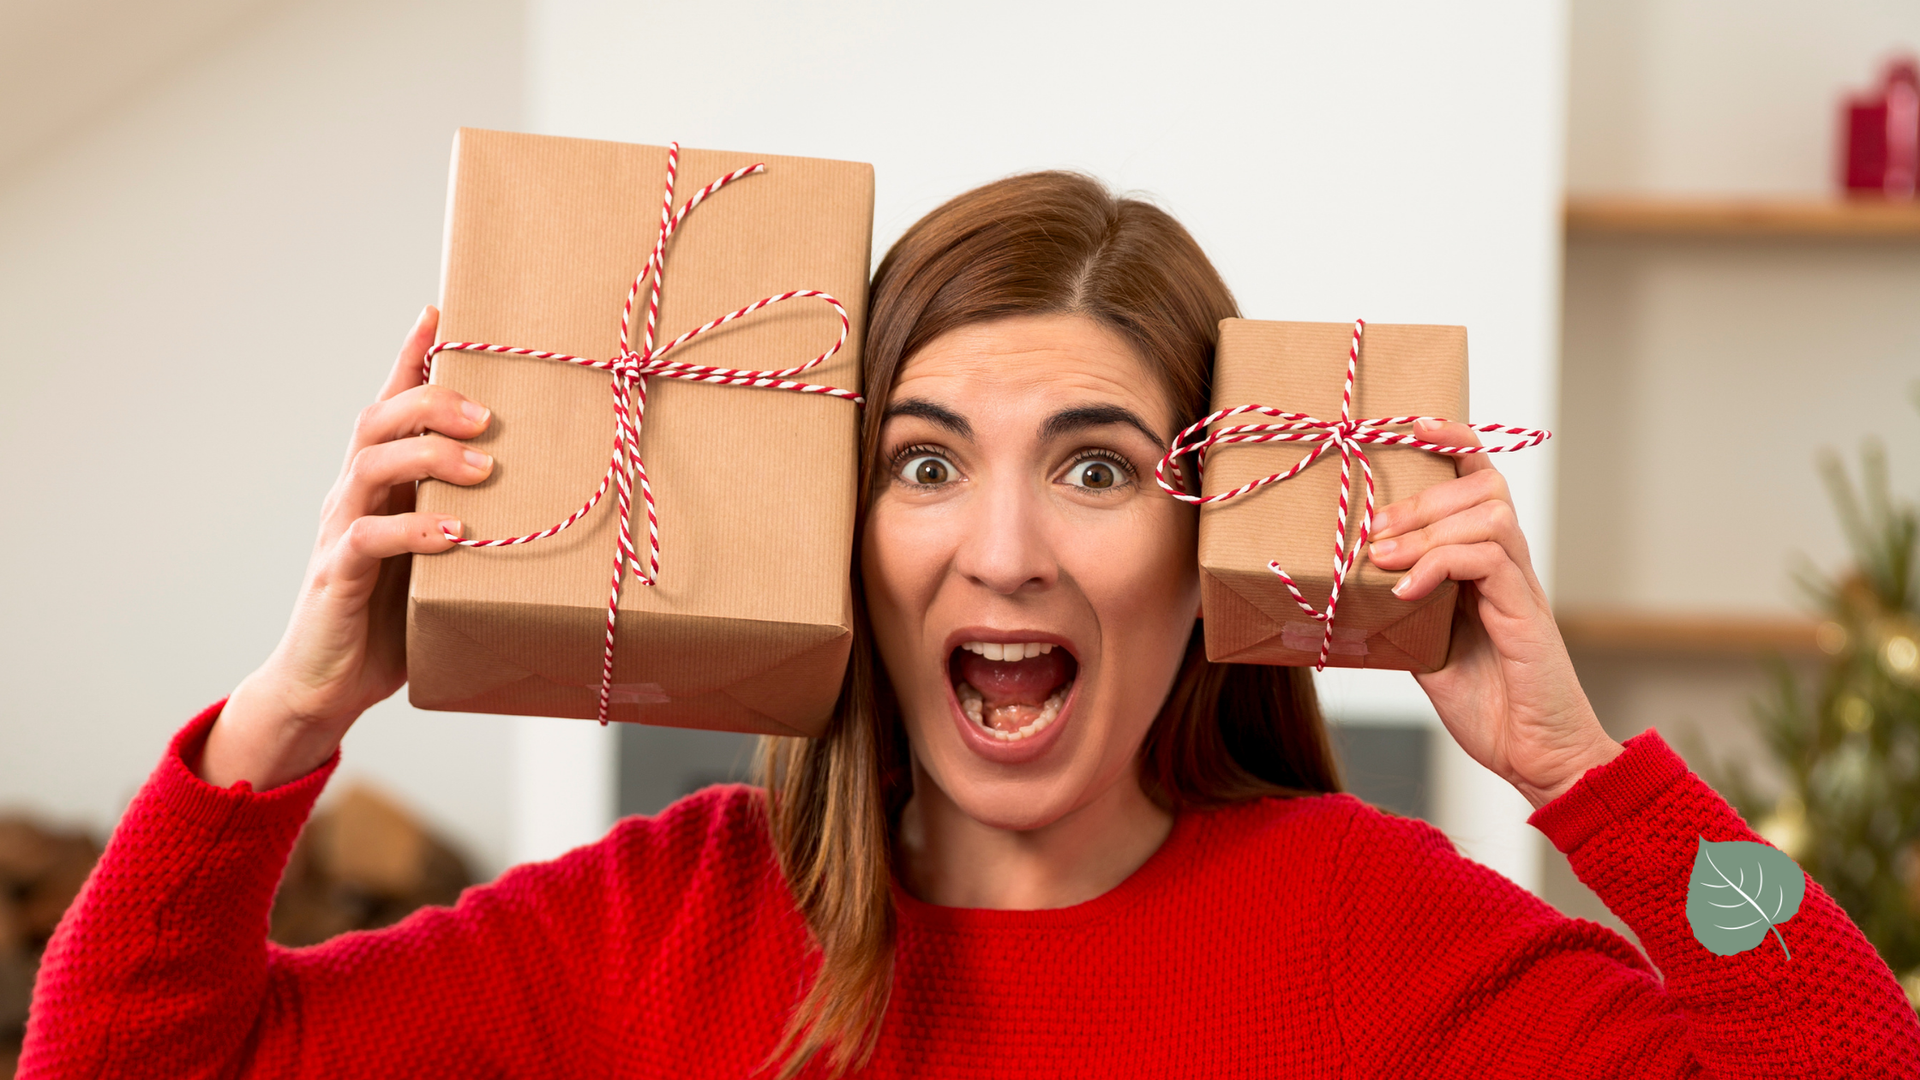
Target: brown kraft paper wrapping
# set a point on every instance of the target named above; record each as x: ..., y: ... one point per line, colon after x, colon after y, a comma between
x: 749, y: 626
x: 1301, y: 367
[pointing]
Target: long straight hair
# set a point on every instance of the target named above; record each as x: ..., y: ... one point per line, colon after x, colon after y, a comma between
x: 1039, y: 243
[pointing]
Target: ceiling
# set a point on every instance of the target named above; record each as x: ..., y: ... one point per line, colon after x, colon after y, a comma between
x: 62, y: 61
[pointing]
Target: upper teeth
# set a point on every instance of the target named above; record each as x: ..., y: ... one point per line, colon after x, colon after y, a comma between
x: 1012, y: 650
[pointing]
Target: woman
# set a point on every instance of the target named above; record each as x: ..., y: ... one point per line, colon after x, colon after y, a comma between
x: 1044, y: 835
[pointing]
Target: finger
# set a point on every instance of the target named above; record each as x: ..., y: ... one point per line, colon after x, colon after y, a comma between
x: 409, y: 366
x: 1455, y: 433
x: 1447, y: 497
x: 1498, y: 579
x: 368, y: 540
x: 375, y: 470
x: 1489, y: 519
x: 416, y: 411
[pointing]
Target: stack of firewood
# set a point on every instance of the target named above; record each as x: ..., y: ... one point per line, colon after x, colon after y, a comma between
x: 41, y: 871
x: 362, y: 862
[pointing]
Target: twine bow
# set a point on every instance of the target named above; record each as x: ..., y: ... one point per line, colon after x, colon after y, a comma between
x: 630, y: 371
x: 1346, y: 435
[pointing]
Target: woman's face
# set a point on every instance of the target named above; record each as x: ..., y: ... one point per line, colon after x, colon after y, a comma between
x: 1031, y: 590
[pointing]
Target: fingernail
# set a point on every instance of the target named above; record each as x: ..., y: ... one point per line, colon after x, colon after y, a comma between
x: 1401, y: 585
x: 1384, y: 547
x: 479, y: 460
x: 453, y: 527
x: 423, y: 315
x: 475, y: 412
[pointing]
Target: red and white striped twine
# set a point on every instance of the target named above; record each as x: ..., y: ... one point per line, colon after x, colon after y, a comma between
x: 630, y: 371
x: 1346, y: 435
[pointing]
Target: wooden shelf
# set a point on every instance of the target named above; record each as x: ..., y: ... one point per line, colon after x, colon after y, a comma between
x: 1688, y: 635
x: 1811, y: 218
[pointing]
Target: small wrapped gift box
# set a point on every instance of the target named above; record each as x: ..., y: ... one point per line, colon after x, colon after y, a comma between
x: 1251, y: 614
x: 742, y: 495
x: 1882, y: 129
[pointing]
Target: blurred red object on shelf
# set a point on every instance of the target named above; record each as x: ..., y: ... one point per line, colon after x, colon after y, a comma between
x: 1883, y: 134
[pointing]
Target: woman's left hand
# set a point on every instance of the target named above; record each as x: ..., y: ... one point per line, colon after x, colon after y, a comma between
x: 1508, y: 692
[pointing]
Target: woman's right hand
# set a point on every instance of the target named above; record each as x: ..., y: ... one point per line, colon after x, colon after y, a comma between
x: 345, y: 647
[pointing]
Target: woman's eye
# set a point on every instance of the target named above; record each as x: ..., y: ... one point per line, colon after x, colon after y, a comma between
x: 927, y: 470
x: 1095, y: 474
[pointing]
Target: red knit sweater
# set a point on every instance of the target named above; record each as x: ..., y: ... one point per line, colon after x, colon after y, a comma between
x: 1280, y: 938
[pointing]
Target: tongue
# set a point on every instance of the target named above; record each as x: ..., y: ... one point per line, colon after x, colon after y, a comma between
x: 1015, y: 682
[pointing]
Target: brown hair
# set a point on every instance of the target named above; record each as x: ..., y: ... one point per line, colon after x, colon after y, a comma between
x: 1047, y: 242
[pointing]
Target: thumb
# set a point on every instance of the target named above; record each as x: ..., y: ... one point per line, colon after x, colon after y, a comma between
x: 409, y: 367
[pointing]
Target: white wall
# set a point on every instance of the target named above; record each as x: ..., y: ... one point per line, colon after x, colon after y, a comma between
x: 63, y: 62
x: 1702, y: 378
x: 1398, y: 161
x: 200, y: 286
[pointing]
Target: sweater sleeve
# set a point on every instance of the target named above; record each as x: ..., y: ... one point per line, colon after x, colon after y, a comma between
x: 1482, y: 978
x: 1631, y: 830
x: 162, y: 967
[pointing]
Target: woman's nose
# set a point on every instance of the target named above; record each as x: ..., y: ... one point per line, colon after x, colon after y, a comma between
x: 1004, y: 545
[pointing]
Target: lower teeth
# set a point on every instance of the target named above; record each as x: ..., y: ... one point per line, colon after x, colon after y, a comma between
x: 974, y: 705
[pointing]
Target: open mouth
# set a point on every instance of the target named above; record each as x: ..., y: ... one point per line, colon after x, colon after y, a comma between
x: 1013, y: 690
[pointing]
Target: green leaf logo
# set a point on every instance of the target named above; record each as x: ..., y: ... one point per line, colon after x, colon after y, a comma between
x: 1739, y: 891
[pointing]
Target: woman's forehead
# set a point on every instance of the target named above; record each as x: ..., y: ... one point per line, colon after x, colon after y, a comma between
x: 1034, y: 363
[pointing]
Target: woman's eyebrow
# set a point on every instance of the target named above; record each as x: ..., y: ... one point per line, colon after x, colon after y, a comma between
x: 933, y: 413
x: 1079, y: 417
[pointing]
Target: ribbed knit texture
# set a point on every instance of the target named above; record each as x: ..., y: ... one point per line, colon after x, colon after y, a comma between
x: 1281, y: 938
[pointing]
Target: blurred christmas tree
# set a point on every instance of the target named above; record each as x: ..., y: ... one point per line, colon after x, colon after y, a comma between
x: 1850, y: 750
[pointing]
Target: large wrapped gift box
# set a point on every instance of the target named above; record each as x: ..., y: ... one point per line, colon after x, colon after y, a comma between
x: 1251, y: 618
x: 749, y: 624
